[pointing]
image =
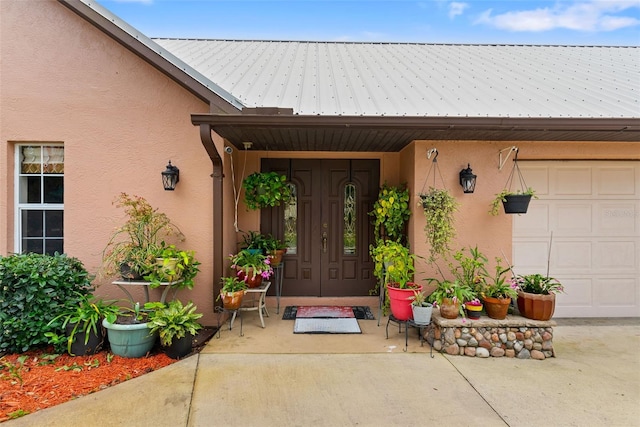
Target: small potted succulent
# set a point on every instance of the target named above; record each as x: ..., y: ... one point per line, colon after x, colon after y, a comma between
x: 422, y: 309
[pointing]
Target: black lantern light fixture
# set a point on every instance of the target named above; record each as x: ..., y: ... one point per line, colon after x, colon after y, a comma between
x: 468, y: 179
x: 170, y: 177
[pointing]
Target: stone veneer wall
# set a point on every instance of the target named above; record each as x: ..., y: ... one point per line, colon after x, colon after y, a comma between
x: 514, y: 336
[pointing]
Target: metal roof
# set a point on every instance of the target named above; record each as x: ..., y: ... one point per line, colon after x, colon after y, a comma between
x: 421, y: 80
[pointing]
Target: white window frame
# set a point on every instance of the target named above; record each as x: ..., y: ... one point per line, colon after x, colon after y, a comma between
x: 20, y: 207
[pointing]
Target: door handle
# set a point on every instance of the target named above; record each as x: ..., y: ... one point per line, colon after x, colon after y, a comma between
x: 324, y: 242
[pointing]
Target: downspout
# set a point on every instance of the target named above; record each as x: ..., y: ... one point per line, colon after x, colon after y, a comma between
x: 217, y: 175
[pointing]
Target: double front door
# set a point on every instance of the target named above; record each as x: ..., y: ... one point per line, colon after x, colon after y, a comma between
x: 326, y: 227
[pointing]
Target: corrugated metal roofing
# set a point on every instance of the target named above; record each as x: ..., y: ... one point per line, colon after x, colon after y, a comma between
x: 399, y: 79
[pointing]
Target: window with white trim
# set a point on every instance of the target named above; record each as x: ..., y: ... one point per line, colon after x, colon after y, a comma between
x: 40, y: 198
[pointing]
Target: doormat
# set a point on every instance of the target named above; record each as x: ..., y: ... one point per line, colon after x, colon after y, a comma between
x: 357, y: 311
x: 338, y: 325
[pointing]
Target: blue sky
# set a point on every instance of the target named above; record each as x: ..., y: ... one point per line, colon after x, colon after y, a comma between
x: 575, y: 22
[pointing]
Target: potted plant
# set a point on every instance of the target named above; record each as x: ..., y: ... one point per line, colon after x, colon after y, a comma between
x: 422, y: 309
x: 251, y: 267
x: 174, y: 265
x: 391, y: 212
x: 132, y: 248
x: 266, y: 189
x: 470, y: 270
x: 473, y: 308
x: 513, y: 202
x: 450, y: 296
x: 497, y: 295
x: 128, y: 332
x: 175, y: 324
x: 395, y: 263
x: 439, y: 207
x: 83, y: 331
x: 266, y: 244
x: 537, y: 295
x: 232, y: 292
x: 254, y: 241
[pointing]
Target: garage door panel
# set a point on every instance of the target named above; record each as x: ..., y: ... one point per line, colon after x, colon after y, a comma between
x: 571, y: 256
x: 616, y: 181
x: 618, y: 218
x: 530, y: 257
x: 535, y: 222
x: 578, y: 292
x: 617, y: 256
x: 617, y: 292
x: 538, y: 179
x: 572, y: 218
x: 572, y: 181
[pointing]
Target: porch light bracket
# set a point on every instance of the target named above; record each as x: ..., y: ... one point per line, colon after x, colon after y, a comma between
x: 510, y: 150
x: 170, y: 177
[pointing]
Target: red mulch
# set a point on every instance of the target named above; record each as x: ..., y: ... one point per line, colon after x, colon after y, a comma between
x: 39, y: 379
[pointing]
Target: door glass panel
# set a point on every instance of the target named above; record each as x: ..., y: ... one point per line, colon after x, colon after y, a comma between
x: 349, y: 227
x: 291, y: 222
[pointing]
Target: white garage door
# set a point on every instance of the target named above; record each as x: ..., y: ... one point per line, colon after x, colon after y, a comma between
x: 592, y: 209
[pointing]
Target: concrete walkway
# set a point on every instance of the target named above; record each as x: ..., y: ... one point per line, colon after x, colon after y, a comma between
x: 271, y: 377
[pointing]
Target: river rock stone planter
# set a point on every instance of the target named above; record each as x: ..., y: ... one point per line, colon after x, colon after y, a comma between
x: 514, y: 336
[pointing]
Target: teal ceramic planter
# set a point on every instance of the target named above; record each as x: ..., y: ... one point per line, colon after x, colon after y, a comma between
x: 129, y: 340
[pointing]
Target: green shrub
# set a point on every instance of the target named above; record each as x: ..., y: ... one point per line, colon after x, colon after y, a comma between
x: 34, y: 290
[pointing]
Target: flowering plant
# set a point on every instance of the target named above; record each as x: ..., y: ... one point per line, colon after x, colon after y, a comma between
x: 251, y: 264
x: 500, y: 287
x: 455, y: 291
x: 537, y: 284
x: 474, y: 302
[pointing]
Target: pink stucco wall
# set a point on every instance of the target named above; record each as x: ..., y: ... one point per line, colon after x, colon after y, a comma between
x: 120, y: 120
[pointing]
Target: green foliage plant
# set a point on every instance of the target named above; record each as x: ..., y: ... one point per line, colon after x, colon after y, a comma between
x: 86, y: 317
x: 439, y: 207
x: 393, y: 262
x: 34, y: 289
x: 172, y: 320
x: 470, y: 269
x: 452, y: 290
x: 499, y: 286
x: 391, y: 212
x: 537, y: 284
x: 176, y: 263
x: 266, y: 189
x: 139, y: 239
x: 251, y: 264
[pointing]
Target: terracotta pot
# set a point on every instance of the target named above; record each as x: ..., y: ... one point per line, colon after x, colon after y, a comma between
x: 231, y: 300
x: 276, y: 256
x: 536, y: 306
x: 449, y: 309
x: 496, y: 308
x: 252, y: 281
x: 400, y: 300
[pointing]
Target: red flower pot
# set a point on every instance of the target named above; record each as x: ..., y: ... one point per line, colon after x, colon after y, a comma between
x: 400, y: 300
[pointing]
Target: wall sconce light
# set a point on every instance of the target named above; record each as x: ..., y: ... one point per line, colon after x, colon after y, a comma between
x: 468, y: 179
x: 170, y: 177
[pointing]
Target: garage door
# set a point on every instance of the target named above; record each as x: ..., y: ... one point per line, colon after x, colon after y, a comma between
x: 590, y: 212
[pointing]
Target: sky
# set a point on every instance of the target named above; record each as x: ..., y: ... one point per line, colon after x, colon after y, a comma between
x: 560, y: 22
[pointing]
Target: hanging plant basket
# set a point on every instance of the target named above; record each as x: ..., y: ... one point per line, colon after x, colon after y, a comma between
x: 513, y: 201
x: 516, y: 203
x: 266, y: 189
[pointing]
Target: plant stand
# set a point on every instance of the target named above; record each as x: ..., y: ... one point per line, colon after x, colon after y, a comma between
x: 258, y: 305
x: 122, y: 283
x: 220, y: 313
x: 407, y: 324
x: 278, y: 275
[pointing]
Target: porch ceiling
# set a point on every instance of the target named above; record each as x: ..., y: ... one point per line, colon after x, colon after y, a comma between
x: 286, y: 132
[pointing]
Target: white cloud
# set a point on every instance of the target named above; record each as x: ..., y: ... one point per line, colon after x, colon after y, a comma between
x: 456, y: 8
x: 596, y: 15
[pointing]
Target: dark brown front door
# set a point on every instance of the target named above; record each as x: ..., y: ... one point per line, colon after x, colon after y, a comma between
x: 327, y: 227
